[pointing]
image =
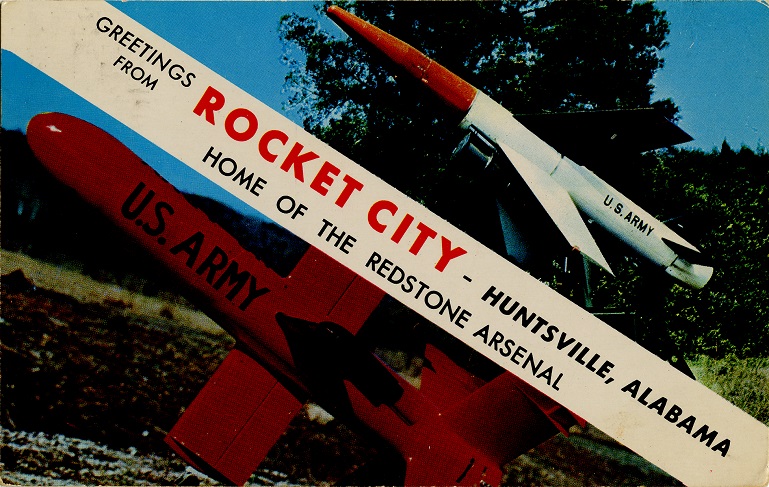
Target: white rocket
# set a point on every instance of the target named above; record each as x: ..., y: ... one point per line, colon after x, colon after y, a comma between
x: 564, y: 188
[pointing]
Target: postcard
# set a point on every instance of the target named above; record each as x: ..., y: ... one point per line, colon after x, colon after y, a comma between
x: 198, y: 288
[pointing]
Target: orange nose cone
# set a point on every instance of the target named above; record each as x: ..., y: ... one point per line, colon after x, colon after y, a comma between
x: 452, y: 89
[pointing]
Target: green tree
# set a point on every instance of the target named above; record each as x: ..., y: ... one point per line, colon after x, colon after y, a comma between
x: 725, y: 198
x: 727, y: 193
x: 593, y: 55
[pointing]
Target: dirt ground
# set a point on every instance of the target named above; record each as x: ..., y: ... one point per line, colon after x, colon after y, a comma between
x: 93, y: 377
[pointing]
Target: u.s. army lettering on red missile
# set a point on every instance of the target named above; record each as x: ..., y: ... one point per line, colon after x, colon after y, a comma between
x: 276, y: 147
x: 238, y: 285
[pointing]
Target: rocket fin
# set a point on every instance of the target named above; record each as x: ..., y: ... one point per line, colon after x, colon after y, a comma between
x: 692, y: 256
x: 330, y: 291
x: 559, y: 205
x: 516, y: 245
x: 681, y: 246
x: 445, y: 382
x: 507, y: 417
x: 233, y: 422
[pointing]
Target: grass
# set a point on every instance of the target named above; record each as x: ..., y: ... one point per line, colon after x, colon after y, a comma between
x: 87, y: 290
x: 743, y: 382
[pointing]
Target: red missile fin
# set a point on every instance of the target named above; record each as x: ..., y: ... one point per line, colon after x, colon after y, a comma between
x: 231, y: 425
x: 452, y: 89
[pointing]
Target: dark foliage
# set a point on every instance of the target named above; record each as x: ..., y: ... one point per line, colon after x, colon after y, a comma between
x: 721, y: 202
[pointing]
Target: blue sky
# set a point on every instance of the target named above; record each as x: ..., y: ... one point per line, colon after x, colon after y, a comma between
x: 717, y: 69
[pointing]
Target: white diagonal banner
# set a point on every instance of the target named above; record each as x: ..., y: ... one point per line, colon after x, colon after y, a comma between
x: 225, y: 134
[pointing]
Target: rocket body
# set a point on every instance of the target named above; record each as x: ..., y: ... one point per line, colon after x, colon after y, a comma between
x: 592, y: 196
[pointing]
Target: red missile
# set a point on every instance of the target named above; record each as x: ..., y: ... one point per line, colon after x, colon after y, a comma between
x: 244, y: 296
x: 296, y: 337
x: 452, y: 89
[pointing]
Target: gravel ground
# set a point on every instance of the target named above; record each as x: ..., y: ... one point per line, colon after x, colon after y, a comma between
x: 46, y: 459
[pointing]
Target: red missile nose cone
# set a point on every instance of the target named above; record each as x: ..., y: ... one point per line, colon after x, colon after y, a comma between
x: 452, y: 89
x: 57, y: 130
x: 76, y: 151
